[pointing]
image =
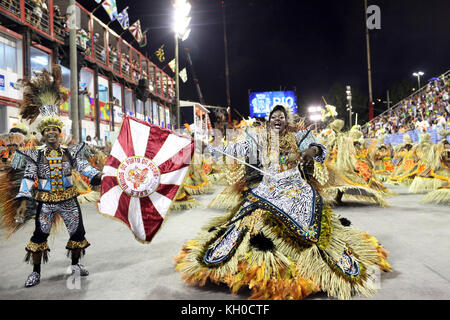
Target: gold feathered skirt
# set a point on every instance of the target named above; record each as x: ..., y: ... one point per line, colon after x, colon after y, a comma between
x: 265, y: 256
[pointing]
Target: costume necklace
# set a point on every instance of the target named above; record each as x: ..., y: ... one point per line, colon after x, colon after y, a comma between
x: 54, y: 158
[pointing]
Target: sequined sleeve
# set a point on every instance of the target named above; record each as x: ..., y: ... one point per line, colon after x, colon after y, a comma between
x: 238, y: 149
x: 80, y: 163
x: 311, y: 141
x: 26, y: 186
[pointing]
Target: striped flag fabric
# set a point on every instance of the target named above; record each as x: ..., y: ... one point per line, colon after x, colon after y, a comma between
x: 123, y: 19
x: 183, y: 75
x: 142, y: 175
x: 110, y: 8
x: 172, y: 65
x: 136, y: 31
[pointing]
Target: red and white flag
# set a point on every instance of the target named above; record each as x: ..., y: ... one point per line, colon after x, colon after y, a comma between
x: 136, y: 31
x: 142, y: 175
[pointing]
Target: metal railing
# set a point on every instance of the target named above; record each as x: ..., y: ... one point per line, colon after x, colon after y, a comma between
x: 100, y: 53
x: 37, y: 16
x: 52, y: 23
x: 12, y: 6
x: 59, y: 29
x: 126, y: 68
x: 114, y: 61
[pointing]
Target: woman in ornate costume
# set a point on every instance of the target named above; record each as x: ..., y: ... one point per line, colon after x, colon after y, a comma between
x: 282, y: 242
x: 383, y: 165
x: 196, y: 181
x: 183, y: 200
x: 48, y: 174
x: 11, y: 175
x: 406, y: 168
x: 428, y: 163
x: 349, y: 172
x: 442, y: 194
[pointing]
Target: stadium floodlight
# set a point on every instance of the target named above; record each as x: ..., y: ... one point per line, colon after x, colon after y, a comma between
x: 313, y: 109
x: 315, y: 114
x: 418, y: 75
x: 181, y: 18
x: 315, y: 117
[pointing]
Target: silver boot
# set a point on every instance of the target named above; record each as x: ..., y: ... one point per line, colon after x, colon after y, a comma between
x: 33, y: 279
x: 80, y: 269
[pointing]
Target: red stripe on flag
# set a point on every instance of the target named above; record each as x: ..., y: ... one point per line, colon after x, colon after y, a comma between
x: 108, y: 183
x: 156, y: 139
x: 179, y: 160
x: 168, y: 190
x: 151, y: 218
x: 112, y: 162
x: 125, y: 138
x: 122, y: 208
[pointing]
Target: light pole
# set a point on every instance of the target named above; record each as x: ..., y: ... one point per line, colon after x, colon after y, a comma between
x: 227, y: 68
x: 349, y: 104
x: 181, y: 23
x: 74, y: 116
x: 418, y: 75
x: 369, y: 67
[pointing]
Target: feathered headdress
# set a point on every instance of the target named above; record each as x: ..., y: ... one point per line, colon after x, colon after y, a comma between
x: 407, y: 139
x: 19, y: 128
x: 42, y: 96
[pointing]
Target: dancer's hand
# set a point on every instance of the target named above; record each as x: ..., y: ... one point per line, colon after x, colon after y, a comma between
x: 308, y: 155
x: 20, y: 212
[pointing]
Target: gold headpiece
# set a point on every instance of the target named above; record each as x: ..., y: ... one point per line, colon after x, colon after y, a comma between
x: 42, y: 97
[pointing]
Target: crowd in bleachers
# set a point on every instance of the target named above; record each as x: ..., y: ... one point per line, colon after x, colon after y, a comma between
x: 428, y: 108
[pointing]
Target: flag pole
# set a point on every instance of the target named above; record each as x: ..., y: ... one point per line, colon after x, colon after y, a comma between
x: 245, y: 163
x: 120, y: 35
x: 96, y: 8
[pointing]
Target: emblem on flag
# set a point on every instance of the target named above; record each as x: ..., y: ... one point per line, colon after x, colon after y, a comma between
x: 124, y: 19
x: 142, y: 175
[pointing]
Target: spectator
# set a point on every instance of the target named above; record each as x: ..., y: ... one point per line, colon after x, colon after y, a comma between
x: 60, y: 21
x: 90, y: 142
x: 428, y: 108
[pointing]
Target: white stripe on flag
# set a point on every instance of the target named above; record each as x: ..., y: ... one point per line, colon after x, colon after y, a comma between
x: 135, y: 218
x: 174, y: 177
x: 171, y: 147
x: 109, y: 171
x: 117, y: 151
x: 110, y: 201
x: 139, y: 136
x: 161, y: 203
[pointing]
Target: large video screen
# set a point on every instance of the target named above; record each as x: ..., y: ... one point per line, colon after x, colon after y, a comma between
x: 262, y: 102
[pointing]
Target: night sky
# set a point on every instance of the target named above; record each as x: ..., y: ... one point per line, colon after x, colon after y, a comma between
x: 303, y: 45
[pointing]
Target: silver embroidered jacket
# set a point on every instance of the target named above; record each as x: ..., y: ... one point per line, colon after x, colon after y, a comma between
x: 285, y: 192
x: 37, y: 167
